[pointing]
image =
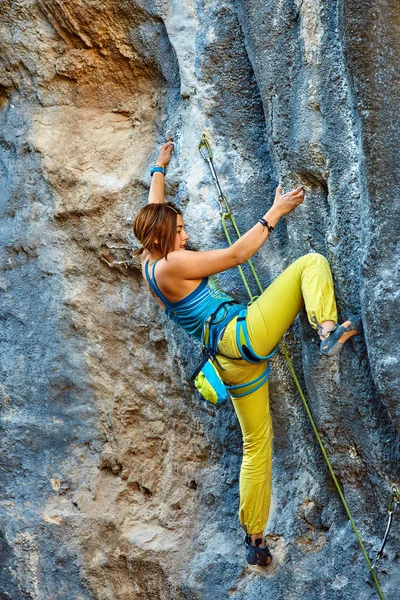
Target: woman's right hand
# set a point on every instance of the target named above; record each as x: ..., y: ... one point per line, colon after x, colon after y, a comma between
x: 164, y: 156
x: 285, y: 203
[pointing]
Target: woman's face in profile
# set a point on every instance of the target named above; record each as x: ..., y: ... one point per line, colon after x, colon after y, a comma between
x: 181, y: 235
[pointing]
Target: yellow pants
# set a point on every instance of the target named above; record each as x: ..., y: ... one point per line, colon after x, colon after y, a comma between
x: 308, y: 281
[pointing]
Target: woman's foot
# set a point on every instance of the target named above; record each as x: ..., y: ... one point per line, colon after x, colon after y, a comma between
x: 257, y: 554
x: 336, y: 337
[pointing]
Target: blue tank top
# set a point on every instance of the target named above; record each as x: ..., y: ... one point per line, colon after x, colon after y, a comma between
x: 192, y: 311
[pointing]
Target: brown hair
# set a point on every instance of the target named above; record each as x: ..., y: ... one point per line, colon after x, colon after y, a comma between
x: 156, y: 222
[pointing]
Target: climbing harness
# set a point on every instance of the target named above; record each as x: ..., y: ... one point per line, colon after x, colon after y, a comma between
x: 206, y: 378
x: 226, y: 214
x: 392, y: 507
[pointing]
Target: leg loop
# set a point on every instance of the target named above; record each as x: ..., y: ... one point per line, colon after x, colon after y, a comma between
x: 257, y: 383
x: 243, y: 341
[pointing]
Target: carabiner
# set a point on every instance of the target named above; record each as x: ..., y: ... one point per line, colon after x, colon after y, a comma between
x: 394, y: 499
x: 204, y: 144
x: 224, y: 206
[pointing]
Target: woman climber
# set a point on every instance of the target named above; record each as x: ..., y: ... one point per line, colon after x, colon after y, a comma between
x: 182, y: 284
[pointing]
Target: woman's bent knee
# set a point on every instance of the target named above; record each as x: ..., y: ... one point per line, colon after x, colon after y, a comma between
x: 316, y: 257
x: 318, y: 261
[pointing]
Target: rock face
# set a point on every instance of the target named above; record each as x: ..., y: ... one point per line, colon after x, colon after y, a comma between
x: 118, y: 483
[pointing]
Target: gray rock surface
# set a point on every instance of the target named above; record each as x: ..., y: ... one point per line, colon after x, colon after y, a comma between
x: 117, y: 482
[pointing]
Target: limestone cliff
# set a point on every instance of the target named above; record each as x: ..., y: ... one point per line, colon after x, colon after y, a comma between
x: 118, y: 482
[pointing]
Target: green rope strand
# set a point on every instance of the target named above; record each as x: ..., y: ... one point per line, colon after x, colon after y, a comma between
x: 249, y: 262
x: 228, y: 237
x: 206, y: 153
x: 308, y: 411
x: 328, y: 463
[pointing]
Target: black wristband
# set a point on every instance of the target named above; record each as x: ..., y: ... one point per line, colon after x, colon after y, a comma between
x: 264, y: 223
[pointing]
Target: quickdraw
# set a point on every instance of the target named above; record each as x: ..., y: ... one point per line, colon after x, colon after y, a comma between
x: 393, y: 504
x: 226, y: 214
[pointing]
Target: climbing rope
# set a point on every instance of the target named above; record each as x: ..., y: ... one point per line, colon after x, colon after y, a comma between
x: 226, y: 214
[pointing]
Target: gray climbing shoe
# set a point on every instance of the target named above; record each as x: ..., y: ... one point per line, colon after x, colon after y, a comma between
x: 257, y: 554
x: 335, y: 339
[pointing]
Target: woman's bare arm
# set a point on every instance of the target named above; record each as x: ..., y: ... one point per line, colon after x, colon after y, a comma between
x: 156, y: 193
x: 196, y: 265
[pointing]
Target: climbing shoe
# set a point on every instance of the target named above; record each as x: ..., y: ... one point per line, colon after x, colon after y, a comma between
x: 333, y: 343
x: 257, y: 554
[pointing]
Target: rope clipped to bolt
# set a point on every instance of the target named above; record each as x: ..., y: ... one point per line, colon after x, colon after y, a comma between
x: 226, y: 214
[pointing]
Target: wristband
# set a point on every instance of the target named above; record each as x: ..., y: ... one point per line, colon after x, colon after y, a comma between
x: 157, y: 169
x: 264, y: 223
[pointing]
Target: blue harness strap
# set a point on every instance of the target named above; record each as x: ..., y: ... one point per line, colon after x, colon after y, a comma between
x: 257, y: 383
x: 246, y: 351
x: 243, y: 341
